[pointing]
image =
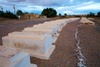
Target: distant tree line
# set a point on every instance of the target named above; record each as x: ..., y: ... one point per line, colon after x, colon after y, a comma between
x: 49, y: 12
x: 91, y: 14
x: 8, y: 14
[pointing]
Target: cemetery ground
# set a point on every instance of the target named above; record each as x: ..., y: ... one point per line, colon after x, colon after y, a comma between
x: 64, y: 54
x: 90, y: 39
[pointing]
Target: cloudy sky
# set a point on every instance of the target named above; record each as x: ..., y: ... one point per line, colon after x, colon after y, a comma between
x: 61, y: 6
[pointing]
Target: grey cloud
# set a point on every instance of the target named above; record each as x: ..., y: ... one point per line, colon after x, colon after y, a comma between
x: 16, y: 0
x: 48, y: 2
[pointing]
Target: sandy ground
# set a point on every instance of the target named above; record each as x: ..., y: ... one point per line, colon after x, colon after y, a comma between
x: 65, y: 55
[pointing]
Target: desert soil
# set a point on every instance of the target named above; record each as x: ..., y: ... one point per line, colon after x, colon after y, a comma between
x: 64, y: 54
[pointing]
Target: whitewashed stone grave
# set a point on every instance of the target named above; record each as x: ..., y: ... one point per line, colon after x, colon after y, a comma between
x: 42, y: 30
x: 12, y: 57
x: 46, y: 25
x: 56, y: 23
x: 63, y: 22
x: 39, y: 30
x: 36, y: 44
x: 71, y: 19
x: 84, y: 20
x: 54, y: 28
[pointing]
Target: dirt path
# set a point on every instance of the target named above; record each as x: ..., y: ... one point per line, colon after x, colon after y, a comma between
x: 90, y: 39
x: 64, y: 55
x: 80, y: 56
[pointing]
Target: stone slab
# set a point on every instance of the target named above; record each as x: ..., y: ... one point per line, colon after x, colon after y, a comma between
x: 59, y: 26
x: 54, y: 36
x: 55, y: 29
x: 39, y: 30
x: 41, y: 56
x: 35, y: 36
x: 63, y: 23
x: 13, y: 57
x: 46, y: 26
x: 54, y: 40
x: 39, y: 46
x: 33, y: 65
x: 84, y: 20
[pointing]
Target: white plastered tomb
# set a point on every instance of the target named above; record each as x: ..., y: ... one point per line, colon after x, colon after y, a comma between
x: 42, y: 30
x: 84, y: 20
x: 13, y: 57
x: 36, y: 44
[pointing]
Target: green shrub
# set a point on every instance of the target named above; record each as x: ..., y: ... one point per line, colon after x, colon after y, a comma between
x: 49, y: 12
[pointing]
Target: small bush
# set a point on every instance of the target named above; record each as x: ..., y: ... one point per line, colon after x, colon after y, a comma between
x: 49, y: 12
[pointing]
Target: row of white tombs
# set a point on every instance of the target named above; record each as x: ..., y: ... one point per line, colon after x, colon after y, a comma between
x: 37, y: 41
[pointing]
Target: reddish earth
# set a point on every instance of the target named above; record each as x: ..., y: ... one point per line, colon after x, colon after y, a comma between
x: 90, y: 39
